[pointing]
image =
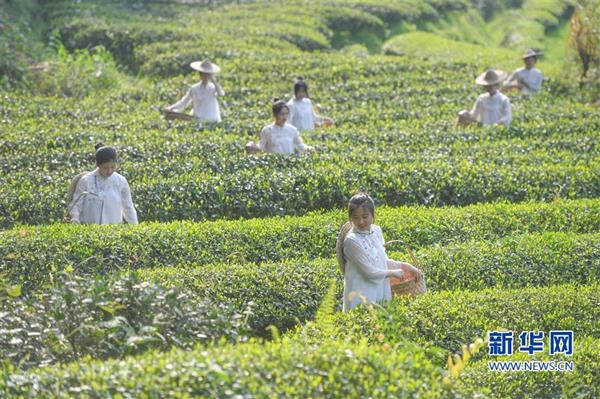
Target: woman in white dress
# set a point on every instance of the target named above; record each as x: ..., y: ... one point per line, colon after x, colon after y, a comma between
x: 103, y: 196
x: 362, y: 257
x: 279, y: 137
x: 203, y: 95
x: 302, y: 114
x: 490, y: 108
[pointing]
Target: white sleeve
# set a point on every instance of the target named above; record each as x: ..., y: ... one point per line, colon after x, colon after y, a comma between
x: 181, y: 104
x: 129, y: 211
x: 298, y: 143
x: 512, y: 77
x: 77, y: 202
x: 219, y: 90
x: 265, y: 136
x: 355, y: 254
x: 477, y: 111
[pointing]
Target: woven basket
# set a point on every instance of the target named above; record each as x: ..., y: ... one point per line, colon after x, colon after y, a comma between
x: 411, y: 283
x: 171, y: 115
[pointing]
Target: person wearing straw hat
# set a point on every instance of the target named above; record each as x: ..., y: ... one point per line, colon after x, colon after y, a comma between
x: 491, y: 108
x: 361, y: 256
x: 528, y: 79
x: 203, y: 95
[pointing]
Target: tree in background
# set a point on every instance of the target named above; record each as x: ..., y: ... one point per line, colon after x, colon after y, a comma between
x: 584, y: 41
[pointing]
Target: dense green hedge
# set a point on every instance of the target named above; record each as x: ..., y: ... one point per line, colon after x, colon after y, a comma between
x: 188, y: 175
x: 275, y: 369
x: 307, y: 236
x: 295, y: 369
x: 285, y: 293
x: 515, y: 261
x: 280, y: 294
x: 452, y: 318
x: 112, y: 316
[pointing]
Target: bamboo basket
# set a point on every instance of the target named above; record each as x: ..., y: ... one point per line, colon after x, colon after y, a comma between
x: 171, y: 115
x: 411, y: 284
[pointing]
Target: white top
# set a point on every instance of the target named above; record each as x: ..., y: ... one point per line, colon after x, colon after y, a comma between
x: 280, y: 140
x: 533, y: 77
x: 491, y: 110
x: 102, y: 200
x: 302, y: 115
x: 365, y: 276
x: 204, y: 99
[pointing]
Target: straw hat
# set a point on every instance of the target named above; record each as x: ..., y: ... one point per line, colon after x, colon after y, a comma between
x: 205, y: 66
x: 491, y: 77
x: 530, y: 53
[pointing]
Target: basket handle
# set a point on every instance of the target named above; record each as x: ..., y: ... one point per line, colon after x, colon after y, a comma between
x: 408, y: 248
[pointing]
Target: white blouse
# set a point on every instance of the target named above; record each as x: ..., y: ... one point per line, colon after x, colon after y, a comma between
x: 204, y: 101
x: 533, y: 77
x: 280, y: 140
x: 365, y: 276
x: 302, y: 115
x: 102, y: 200
x: 491, y: 110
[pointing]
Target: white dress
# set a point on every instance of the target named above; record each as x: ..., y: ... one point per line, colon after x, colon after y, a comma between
x: 102, y: 200
x: 366, y: 270
x: 490, y: 110
x: 302, y: 115
x: 204, y: 101
x: 280, y: 140
x: 533, y: 77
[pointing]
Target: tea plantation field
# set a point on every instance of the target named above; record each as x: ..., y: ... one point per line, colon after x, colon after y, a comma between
x: 229, y: 286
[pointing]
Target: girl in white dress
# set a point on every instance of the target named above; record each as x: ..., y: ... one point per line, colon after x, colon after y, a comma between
x: 203, y: 95
x: 302, y: 114
x: 103, y: 196
x: 362, y: 257
x: 279, y: 137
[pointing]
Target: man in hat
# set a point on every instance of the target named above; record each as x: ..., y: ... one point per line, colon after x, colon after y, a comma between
x: 528, y: 78
x: 491, y: 108
x: 203, y: 95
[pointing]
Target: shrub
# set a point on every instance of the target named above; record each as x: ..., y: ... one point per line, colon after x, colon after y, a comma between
x: 450, y: 319
x: 106, y: 317
x: 275, y: 369
x: 99, y: 248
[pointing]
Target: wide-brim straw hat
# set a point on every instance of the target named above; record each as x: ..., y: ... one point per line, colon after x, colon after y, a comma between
x: 491, y: 77
x: 530, y: 53
x: 206, y: 66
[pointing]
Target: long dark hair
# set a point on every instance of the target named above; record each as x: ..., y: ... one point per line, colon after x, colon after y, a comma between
x: 278, y: 105
x: 361, y: 199
x: 357, y: 200
x: 105, y: 154
x: 300, y: 85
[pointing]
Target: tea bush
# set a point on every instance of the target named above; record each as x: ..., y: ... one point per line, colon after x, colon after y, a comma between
x: 270, y: 369
x: 450, y: 319
x: 287, y: 292
x: 109, y: 317
x: 439, y: 233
